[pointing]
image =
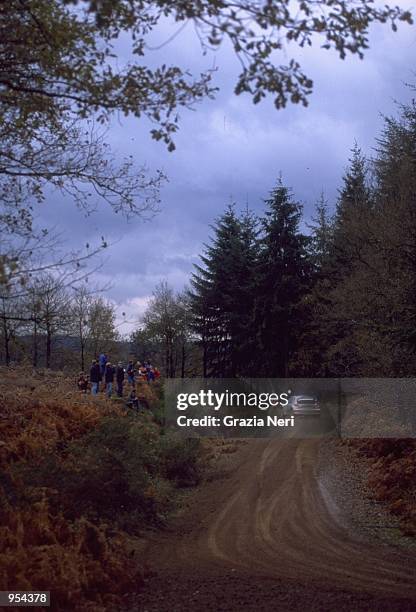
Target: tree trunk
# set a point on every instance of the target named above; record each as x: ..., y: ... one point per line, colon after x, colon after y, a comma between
x: 82, y: 343
x: 286, y: 356
x: 7, y: 347
x: 6, y: 342
x: 171, y: 368
x: 204, y: 358
x: 48, y: 346
x: 183, y: 361
x: 35, y: 343
x: 167, y: 359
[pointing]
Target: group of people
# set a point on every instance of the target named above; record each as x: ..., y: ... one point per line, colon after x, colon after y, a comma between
x: 102, y: 370
x: 141, y: 371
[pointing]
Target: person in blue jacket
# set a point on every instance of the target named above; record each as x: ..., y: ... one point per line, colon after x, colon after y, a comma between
x: 102, y: 360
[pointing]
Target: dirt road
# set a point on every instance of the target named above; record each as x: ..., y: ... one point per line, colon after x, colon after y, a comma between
x: 267, y: 537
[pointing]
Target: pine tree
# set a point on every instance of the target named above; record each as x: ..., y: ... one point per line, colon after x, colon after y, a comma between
x: 243, y: 282
x: 337, y: 297
x: 396, y: 157
x: 222, y: 296
x: 314, y: 331
x: 351, y: 298
x: 353, y: 215
x: 355, y: 192
x: 282, y: 278
x: 395, y: 166
x: 322, y: 227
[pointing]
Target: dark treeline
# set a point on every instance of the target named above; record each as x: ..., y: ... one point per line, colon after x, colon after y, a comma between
x: 246, y: 296
x: 46, y: 323
x: 276, y: 296
x: 270, y: 299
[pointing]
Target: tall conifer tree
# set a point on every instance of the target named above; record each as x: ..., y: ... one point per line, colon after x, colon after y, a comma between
x: 222, y: 296
x: 282, y: 278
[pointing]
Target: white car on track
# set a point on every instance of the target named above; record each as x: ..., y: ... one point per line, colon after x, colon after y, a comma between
x: 303, y: 405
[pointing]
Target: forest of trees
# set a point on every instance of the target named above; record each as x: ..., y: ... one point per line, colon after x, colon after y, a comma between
x: 271, y: 299
x: 48, y: 324
x: 272, y: 296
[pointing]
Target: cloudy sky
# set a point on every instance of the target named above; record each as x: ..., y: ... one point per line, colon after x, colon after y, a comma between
x: 229, y: 149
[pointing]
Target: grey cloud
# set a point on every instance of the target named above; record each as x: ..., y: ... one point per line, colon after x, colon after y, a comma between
x: 230, y: 149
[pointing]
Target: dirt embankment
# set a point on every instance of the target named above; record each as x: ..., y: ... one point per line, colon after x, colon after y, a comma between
x: 80, y: 476
x: 267, y: 536
x: 357, y: 484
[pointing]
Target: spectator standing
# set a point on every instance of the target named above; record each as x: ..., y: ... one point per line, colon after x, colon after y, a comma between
x: 95, y: 377
x: 109, y: 378
x: 130, y: 373
x: 102, y: 360
x: 120, y: 379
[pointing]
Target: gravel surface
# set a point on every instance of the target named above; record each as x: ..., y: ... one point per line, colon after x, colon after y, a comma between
x: 343, y: 481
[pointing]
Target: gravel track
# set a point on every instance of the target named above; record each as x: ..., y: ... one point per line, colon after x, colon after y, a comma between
x: 269, y: 535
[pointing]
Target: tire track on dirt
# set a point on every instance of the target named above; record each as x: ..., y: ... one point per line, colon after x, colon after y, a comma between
x: 270, y: 519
